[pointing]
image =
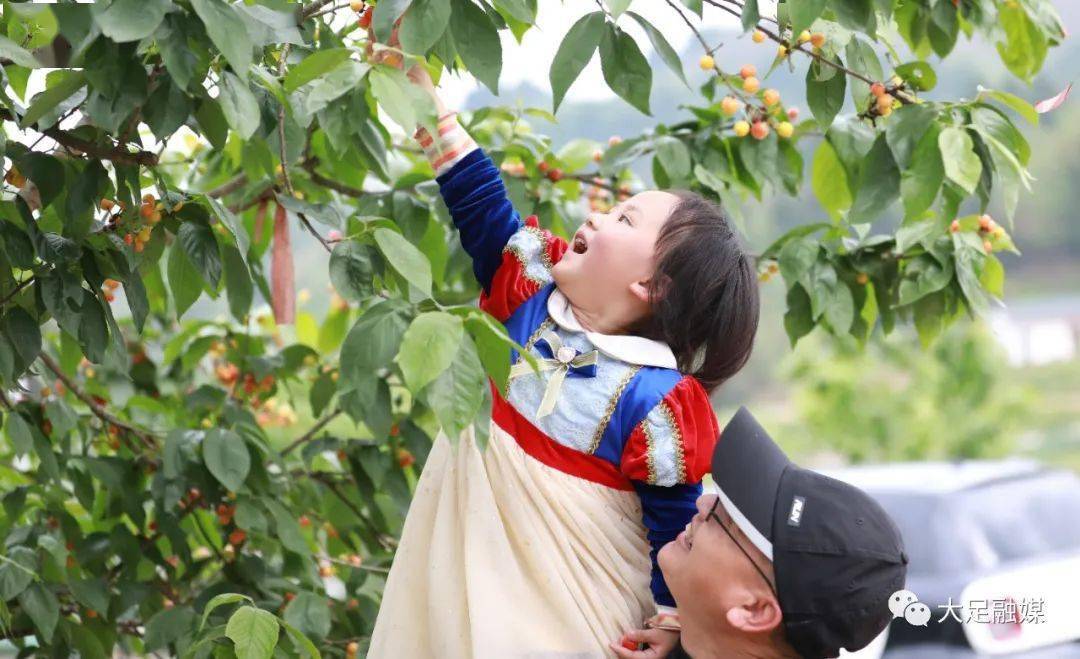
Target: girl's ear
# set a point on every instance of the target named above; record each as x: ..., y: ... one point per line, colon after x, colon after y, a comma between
x: 640, y: 290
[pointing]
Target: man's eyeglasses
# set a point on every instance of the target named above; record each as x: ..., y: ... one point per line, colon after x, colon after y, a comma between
x: 712, y: 514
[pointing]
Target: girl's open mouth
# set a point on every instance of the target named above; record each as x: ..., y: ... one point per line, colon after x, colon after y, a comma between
x: 580, y: 245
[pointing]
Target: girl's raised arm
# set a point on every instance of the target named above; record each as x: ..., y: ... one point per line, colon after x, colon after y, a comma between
x: 471, y: 187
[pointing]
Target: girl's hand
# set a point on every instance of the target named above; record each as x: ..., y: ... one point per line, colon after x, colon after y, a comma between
x: 417, y: 73
x: 659, y: 644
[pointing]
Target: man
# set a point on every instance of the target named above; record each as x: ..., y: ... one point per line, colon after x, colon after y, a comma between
x: 782, y: 562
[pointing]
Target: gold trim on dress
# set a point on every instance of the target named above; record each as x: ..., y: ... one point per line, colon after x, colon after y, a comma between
x: 676, y: 437
x: 606, y: 419
x: 650, y: 452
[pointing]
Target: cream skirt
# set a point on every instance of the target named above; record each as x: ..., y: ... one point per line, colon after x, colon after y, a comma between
x: 503, y: 556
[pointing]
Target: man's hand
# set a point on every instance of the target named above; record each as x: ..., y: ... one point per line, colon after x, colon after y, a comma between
x: 659, y: 644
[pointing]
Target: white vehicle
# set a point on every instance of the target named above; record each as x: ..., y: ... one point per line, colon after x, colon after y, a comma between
x: 980, y: 532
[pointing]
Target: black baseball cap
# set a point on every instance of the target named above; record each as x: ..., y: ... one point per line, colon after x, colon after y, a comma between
x: 836, y: 554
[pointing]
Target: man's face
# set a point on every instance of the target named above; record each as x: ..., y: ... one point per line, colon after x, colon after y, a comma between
x: 713, y: 582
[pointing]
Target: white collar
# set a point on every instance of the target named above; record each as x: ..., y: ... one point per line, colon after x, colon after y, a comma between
x: 624, y: 347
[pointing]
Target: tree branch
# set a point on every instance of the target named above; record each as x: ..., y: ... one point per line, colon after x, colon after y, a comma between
x: 116, y: 153
x: 15, y: 291
x: 99, y: 411
x: 228, y: 187
x: 902, y: 97
x: 310, y: 434
x: 309, y: 10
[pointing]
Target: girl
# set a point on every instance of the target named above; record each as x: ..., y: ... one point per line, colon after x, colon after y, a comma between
x: 544, y: 544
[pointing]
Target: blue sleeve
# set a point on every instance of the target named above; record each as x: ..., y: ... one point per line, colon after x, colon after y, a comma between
x: 665, y: 511
x: 481, y: 211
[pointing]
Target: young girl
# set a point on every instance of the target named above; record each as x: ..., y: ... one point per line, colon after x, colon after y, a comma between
x: 544, y: 544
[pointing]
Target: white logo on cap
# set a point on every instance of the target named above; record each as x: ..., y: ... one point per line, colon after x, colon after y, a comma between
x: 795, y: 516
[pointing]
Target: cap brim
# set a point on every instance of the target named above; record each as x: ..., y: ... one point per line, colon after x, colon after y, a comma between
x: 747, y: 466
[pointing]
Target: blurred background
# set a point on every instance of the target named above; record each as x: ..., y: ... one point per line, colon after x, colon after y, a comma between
x: 1006, y: 385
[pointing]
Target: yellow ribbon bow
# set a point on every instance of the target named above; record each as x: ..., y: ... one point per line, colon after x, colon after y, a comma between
x: 566, y: 359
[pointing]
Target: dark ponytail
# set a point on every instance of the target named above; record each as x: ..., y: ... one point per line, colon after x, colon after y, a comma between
x: 704, y: 295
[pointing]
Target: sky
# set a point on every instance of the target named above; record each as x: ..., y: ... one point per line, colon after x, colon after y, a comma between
x: 531, y: 60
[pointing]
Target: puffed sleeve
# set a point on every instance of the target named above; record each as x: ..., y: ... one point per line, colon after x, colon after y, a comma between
x: 665, y: 457
x: 524, y: 270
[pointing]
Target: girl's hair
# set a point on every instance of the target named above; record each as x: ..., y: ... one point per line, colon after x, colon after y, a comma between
x: 704, y: 295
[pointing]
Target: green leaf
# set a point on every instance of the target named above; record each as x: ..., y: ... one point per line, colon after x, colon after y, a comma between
x: 575, y: 51
x: 300, y: 641
x: 798, y: 319
x: 661, y: 45
x: 238, y: 285
x: 617, y: 7
x: 796, y: 258
x: 23, y: 334
x: 374, y: 340
x: 856, y: 14
x: 218, y: 600
x: 315, y: 65
x: 523, y: 11
x: 750, y: 14
x: 200, y: 244
x: 406, y: 103
x: 879, y: 183
x: 227, y: 457
x: 185, y: 282
x: 91, y: 593
x: 428, y: 347
x: 675, y: 157
x: 351, y: 271
x: 17, y: 54
x: 921, y: 180
x: 130, y: 20
x: 231, y: 222
x: 493, y: 345
x: 1019, y: 105
x: 803, y: 13
x: 943, y: 28
x: 477, y: 42
x: 308, y: 613
x: 408, y: 261
x: 239, y: 105
x: 288, y: 528
x: 21, y: 438
x: 386, y: 13
x: 61, y: 87
x: 228, y: 31
x: 16, y: 572
x: 39, y: 602
x: 920, y: 75
x: 168, y: 626
x: 828, y: 179
x: 992, y: 277
x: 694, y: 6
x: 254, y: 633
x: 422, y: 25
x: 825, y: 97
x: 962, y: 164
x: 625, y: 69
x: 457, y: 393
x: 905, y: 128
x: 93, y: 329
x: 47, y: 173
x: 1024, y: 47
